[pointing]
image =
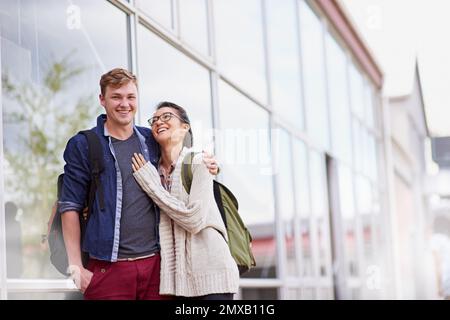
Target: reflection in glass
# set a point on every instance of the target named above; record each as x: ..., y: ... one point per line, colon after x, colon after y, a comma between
x: 244, y: 149
x: 346, y: 192
x: 313, y: 62
x: 301, y: 178
x: 370, y: 105
x: 319, y: 192
x: 307, y: 269
x: 49, y: 92
x: 293, y: 294
x: 285, y: 195
x: 308, y: 293
x: 260, y: 294
x: 303, y: 205
x: 165, y: 74
x: 357, y: 145
x: 339, y: 100
x: 363, y: 195
x: 348, y: 216
x: 284, y: 60
x: 324, y: 246
x: 357, y: 91
x: 326, y: 294
x: 194, y: 24
x: 241, y: 29
x: 160, y: 10
x: 373, y: 169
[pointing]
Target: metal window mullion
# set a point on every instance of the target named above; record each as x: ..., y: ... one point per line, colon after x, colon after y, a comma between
x: 297, y: 219
x: 301, y: 64
x: 279, y: 225
x: 3, y: 283
x: 170, y: 38
x: 266, y: 44
x: 315, y: 250
x: 279, y: 230
x: 326, y: 229
x: 324, y: 26
x: 311, y: 224
x: 133, y: 21
x: 175, y: 10
x: 211, y: 29
x: 314, y: 244
x: 126, y: 7
x: 359, y: 238
x: 215, y: 105
x: 356, y: 230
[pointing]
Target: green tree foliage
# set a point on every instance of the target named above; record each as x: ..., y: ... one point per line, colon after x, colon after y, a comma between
x: 43, y: 117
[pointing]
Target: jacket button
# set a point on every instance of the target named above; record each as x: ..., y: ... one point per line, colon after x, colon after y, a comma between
x: 102, y: 270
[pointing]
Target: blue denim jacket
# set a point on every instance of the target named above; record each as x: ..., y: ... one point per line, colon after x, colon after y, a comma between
x: 102, y: 234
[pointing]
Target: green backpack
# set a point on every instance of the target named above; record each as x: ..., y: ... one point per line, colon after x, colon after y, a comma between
x: 239, y: 238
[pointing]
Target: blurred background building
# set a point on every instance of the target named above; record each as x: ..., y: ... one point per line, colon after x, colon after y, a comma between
x: 329, y: 172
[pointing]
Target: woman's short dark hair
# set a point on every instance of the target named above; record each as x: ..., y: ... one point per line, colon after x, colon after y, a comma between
x: 189, y: 138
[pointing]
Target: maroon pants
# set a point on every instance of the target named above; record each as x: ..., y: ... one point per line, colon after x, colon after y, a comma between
x: 125, y: 280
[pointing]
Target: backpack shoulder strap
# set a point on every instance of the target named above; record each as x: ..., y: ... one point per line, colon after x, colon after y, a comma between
x: 97, y: 166
x: 186, y: 171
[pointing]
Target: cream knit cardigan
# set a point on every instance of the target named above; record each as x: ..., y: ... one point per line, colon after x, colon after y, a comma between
x: 195, y: 258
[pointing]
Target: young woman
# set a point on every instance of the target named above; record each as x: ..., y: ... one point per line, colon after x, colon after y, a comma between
x: 195, y: 258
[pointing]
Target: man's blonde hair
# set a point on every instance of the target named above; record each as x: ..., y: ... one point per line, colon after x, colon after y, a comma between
x: 116, y: 78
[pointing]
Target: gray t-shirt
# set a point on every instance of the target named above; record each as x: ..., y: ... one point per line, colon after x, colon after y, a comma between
x: 138, y: 236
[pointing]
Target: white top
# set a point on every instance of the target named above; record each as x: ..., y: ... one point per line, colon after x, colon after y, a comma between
x: 195, y: 258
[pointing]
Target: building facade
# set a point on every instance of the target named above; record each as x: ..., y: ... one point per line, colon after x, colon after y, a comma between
x: 412, y: 218
x: 285, y: 93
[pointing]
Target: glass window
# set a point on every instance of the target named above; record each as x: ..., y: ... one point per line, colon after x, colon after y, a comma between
x: 319, y: 208
x: 308, y: 293
x: 346, y: 199
x: 348, y: 216
x: 260, y: 294
x: 165, y: 74
x: 160, y: 10
x: 194, y: 23
x: 363, y: 195
x: 357, y: 91
x: 313, y: 63
x: 285, y: 193
x: 339, y: 100
x: 324, y: 246
x: 357, y: 145
x: 326, y: 294
x: 301, y: 178
x: 52, y: 61
x: 319, y: 193
x: 370, y: 105
x: 307, y: 265
x: 366, y: 156
x: 294, y: 294
x: 373, y: 170
x: 284, y: 60
x: 239, y: 44
x: 244, y: 150
x: 303, y: 205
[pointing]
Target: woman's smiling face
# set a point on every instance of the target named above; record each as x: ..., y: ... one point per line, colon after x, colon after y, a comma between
x: 167, y: 126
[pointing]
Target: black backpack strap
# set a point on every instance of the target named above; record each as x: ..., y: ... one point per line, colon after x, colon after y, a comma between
x: 97, y: 166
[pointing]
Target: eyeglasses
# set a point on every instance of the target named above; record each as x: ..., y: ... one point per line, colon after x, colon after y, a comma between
x: 165, y: 117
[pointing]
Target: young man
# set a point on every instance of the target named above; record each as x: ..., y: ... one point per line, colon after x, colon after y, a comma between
x: 122, y: 234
